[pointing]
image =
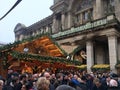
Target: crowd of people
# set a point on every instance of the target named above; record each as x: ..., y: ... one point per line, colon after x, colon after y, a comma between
x: 60, y: 80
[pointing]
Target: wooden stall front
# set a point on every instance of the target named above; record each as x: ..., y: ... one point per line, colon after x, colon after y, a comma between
x: 33, y: 56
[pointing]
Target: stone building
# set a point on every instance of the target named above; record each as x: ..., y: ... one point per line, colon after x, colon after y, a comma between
x: 89, y: 28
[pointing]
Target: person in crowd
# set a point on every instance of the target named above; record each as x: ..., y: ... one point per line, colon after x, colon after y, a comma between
x: 118, y: 81
x: 53, y: 78
x: 48, y: 77
x: 12, y: 85
x: 111, y: 82
x: 34, y: 85
x: 103, y: 80
x: 83, y: 84
x: 65, y: 87
x: 98, y: 85
x: 75, y: 80
x: 22, y: 81
x: 8, y: 86
x: 89, y: 81
x: 23, y: 87
x: 75, y: 83
x: 10, y: 74
x: 29, y: 82
x: 65, y: 79
x: 15, y: 83
x: 59, y: 80
x: 43, y: 83
x: 1, y: 84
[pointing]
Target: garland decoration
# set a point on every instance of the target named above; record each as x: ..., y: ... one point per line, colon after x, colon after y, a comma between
x: 26, y: 56
x: 82, y: 67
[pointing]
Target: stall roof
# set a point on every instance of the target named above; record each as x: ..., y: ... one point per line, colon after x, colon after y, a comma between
x: 42, y: 46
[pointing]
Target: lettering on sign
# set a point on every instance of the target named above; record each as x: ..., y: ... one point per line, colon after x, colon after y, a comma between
x: 86, y: 26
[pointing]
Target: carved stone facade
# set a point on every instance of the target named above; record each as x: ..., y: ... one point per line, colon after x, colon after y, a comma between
x: 88, y: 24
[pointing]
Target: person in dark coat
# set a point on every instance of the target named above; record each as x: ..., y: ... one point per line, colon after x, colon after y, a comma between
x: 98, y: 85
x: 89, y: 81
x: 59, y: 80
x: 83, y: 84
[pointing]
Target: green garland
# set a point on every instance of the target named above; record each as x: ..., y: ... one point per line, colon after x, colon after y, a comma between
x: 31, y: 57
x: 4, y: 58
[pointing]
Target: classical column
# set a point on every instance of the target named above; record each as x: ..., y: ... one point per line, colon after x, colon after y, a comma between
x: 21, y: 37
x: 90, y: 55
x: 112, y: 43
x: 47, y: 29
x: 98, y: 13
x: 69, y: 20
x: 38, y: 31
x: 54, y: 24
x: 63, y: 21
x: 16, y: 38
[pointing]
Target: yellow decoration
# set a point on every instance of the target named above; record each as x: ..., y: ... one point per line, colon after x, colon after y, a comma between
x: 82, y: 66
x: 101, y: 66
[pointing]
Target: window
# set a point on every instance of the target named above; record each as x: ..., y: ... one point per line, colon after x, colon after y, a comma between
x: 78, y: 18
x: 112, y: 2
x: 84, y: 16
x: 87, y: 15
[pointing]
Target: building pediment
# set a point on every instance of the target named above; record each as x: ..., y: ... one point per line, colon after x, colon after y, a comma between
x: 58, y: 7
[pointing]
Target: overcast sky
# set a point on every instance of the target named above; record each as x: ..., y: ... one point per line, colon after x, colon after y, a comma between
x: 27, y: 12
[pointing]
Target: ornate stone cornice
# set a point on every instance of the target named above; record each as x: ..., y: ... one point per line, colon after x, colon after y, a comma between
x: 113, y: 33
